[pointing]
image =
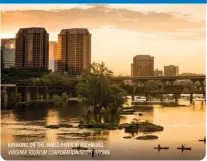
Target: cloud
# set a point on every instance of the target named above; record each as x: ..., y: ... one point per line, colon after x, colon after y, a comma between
x: 95, y: 16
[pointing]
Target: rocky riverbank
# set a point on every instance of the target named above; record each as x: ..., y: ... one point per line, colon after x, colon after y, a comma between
x: 129, y: 127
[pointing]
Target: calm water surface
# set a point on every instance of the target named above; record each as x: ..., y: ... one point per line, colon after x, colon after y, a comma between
x: 182, y: 125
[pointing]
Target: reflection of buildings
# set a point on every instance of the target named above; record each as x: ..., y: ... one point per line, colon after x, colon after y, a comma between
x: 74, y: 50
x: 171, y: 70
x: 32, y: 48
x: 8, y: 53
x: 158, y: 72
x: 143, y: 65
x: 52, y: 118
x: 53, y: 55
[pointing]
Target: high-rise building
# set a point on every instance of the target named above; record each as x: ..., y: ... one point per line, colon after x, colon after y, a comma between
x: 74, y: 51
x: 53, y: 56
x: 8, y: 53
x: 32, y: 48
x: 158, y: 72
x: 171, y: 70
x: 143, y: 65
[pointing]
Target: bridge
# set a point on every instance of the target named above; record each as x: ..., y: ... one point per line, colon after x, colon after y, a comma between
x: 161, y: 78
x: 36, y: 91
x: 174, y: 89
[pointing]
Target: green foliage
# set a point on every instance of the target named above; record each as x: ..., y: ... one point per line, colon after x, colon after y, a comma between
x: 13, y: 74
x: 97, y: 69
x: 18, y: 98
x: 152, y: 86
x: 53, y: 78
x: 60, y: 99
x: 127, y: 88
x: 189, y: 87
x: 96, y: 89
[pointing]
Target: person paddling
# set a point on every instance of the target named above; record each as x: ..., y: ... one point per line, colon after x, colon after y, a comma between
x: 159, y: 146
x: 93, y: 152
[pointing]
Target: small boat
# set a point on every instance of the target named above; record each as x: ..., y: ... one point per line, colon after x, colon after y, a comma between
x: 140, y: 114
x: 159, y: 148
x: 180, y: 148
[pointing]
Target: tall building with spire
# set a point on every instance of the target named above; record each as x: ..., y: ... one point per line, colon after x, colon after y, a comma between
x: 74, y: 51
x: 32, y: 48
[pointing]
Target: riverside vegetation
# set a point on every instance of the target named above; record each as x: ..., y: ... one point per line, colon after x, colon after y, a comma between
x: 98, y: 97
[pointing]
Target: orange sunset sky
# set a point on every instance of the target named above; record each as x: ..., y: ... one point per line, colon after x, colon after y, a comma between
x: 173, y: 34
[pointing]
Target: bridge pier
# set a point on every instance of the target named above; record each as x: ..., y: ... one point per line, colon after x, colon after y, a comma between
x: 147, y: 98
x: 134, y: 91
x: 176, y: 96
x: 162, y: 90
x: 46, y: 96
x: 38, y: 94
x: 5, y: 97
x: 23, y: 96
x: 28, y: 95
x: 161, y: 97
x: 203, y: 89
x: 191, y: 98
x: 133, y: 97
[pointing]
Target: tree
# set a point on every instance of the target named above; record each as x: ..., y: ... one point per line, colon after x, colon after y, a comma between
x: 13, y: 74
x: 189, y: 87
x: 96, y: 90
x: 53, y: 79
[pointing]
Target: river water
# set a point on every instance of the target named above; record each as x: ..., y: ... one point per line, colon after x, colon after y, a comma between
x: 182, y: 125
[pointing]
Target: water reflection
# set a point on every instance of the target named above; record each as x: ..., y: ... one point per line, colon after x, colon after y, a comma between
x: 31, y: 114
x: 182, y: 125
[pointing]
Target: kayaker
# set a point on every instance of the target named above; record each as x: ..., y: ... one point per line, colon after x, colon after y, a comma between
x: 182, y: 146
x: 159, y: 146
x: 93, y: 152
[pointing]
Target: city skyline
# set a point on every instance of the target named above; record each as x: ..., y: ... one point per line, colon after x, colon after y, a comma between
x: 129, y: 36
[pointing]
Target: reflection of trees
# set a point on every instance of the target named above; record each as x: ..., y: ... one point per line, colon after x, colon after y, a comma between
x: 189, y: 87
x: 71, y: 111
x: 105, y: 118
x: 123, y: 118
x: 22, y: 138
x: 30, y: 114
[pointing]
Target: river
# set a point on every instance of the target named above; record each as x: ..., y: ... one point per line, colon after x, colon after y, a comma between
x: 182, y: 125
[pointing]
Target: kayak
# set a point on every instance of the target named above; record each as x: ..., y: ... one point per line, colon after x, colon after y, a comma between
x: 180, y: 148
x: 159, y: 148
x: 202, y: 140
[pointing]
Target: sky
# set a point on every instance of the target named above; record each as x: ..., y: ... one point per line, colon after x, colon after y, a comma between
x: 173, y: 34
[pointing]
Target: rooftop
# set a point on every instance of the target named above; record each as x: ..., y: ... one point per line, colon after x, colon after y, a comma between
x: 75, y: 31
x: 32, y: 30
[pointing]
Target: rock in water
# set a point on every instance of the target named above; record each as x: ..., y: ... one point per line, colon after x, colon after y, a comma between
x: 147, y: 137
x: 52, y: 126
x: 127, y: 137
